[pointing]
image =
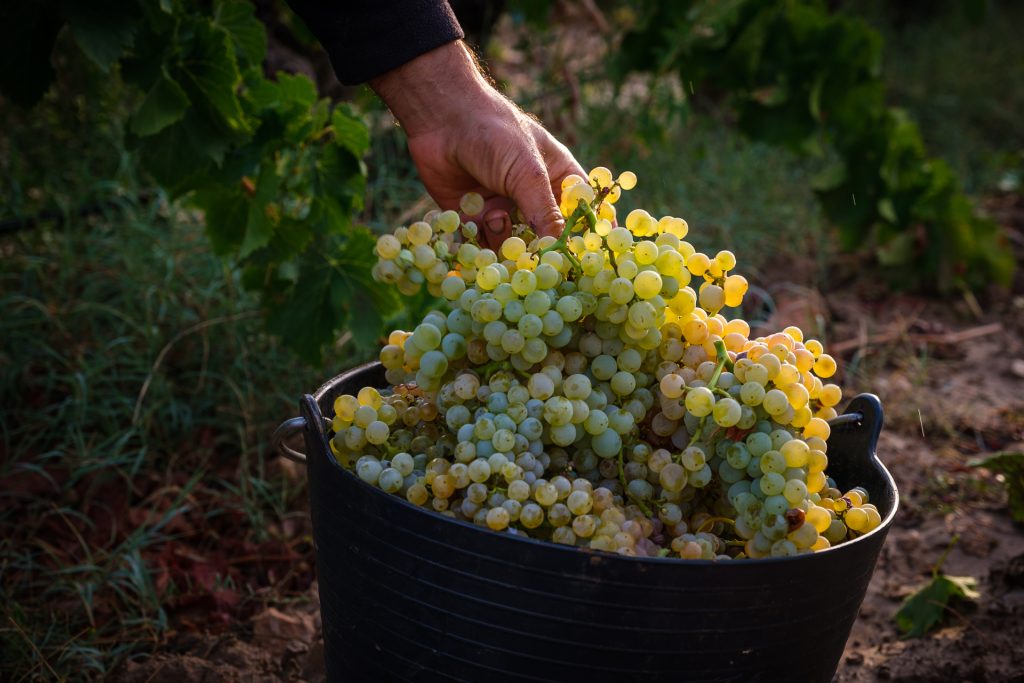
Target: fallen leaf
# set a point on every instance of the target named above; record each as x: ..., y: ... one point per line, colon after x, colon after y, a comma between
x: 275, y: 628
x: 922, y: 610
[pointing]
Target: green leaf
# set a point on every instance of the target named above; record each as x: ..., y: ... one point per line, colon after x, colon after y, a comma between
x: 924, y: 609
x: 104, y: 30
x: 296, y: 89
x: 365, y: 302
x: 263, y: 216
x: 165, y: 103
x: 210, y: 71
x: 182, y: 152
x: 305, y: 317
x: 246, y: 31
x: 226, y: 215
x: 350, y: 131
x: 1010, y: 464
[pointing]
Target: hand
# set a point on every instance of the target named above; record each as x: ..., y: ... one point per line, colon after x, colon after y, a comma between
x: 464, y: 136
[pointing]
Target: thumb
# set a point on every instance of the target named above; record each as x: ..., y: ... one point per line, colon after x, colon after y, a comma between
x: 529, y: 187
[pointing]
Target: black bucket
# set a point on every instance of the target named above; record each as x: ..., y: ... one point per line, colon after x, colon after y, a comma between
x: 407, y: 594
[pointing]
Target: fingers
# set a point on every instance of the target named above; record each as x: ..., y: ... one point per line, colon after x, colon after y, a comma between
x: 496, y: 221
x: 497, y: 228
x: 559, y: 160
x: 529, y: 186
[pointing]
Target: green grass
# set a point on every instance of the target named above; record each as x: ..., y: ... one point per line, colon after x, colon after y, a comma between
x: 138, y: 393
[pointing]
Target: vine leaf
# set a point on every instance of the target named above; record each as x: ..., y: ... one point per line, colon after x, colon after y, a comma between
x: 226, y: 215
x: 246, y: 31
x: 334, y: 290
x: 350, y: 132
x: 182, y: 151
x: 164, y: 104
x: 924, y: 609
x: 103, y: 30
x: 366, y: 303
x: 261, y: 220
x: 211, y: 70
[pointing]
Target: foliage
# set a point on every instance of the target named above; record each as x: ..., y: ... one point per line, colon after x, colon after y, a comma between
x: 1010, y: 464
x: 924, y: 609
x: 800, y: 77
x: 277, y: 171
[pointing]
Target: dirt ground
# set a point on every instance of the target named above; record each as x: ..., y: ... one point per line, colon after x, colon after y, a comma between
x: 952, y: 382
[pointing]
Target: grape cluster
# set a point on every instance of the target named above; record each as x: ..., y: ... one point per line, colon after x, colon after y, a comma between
x: 590, y: 390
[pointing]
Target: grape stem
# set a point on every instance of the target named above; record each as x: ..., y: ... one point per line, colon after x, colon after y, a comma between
x: 710, y: 522
x: 490, y: 368
x: 723, y: 358
x: 582, y: 212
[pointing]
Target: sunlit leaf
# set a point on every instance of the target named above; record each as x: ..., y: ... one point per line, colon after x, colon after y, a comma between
x: 925, y: 608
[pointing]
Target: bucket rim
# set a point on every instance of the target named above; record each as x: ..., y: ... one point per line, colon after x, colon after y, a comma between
x: 847, y: 546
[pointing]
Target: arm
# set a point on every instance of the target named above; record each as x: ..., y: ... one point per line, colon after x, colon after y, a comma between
x: 464, y: 136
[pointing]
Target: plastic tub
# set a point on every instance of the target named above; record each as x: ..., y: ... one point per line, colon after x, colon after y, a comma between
x: 407, y: 594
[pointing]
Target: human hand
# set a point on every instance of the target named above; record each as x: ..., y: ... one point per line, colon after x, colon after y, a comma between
x: 464, y: 136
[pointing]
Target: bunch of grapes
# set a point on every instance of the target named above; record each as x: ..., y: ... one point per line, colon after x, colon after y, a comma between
x: 589, y: 390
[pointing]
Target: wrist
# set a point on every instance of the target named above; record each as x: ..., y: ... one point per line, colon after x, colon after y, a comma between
x: 422, y: 92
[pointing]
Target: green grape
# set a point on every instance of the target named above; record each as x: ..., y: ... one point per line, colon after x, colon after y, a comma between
x: 388, y: 247
x: 726, y: 412
x: 471, y: 204
x: 700, y: 401
x: 647, y: 283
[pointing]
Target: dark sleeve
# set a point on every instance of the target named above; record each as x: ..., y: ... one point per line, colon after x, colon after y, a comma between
x: 367, y: 38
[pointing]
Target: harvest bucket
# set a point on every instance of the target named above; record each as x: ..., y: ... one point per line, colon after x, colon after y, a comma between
x: 407, y: 594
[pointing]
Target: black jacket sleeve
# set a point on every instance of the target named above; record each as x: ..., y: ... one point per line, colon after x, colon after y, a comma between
x: 367, y: 38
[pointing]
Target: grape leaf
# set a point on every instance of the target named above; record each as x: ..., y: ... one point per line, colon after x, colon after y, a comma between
x: 210, y: 69
x: 350, y: 131
x: 366, y: 303
x: 296, y: 89
x: 164, y: 104
x: 182, y: 151
x: 925, y: 608
x: 226, y: 214
x: 304, y: 317
x: 1011, y: 465
x: 246, y: 31
x: 334, y: 290
x: 261, y: 220
x: 104, y: 30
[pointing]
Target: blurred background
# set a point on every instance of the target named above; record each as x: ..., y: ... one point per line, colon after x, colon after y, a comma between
x: 188, y: 200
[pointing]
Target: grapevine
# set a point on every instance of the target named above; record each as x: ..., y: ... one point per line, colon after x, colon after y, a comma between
x: 588, y: 390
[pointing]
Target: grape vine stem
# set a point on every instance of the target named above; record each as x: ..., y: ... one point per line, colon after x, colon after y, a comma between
x: 722, y: 359
x: 583, y: 212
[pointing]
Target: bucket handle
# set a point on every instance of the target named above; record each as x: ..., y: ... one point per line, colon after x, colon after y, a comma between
x: 285, y: 431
